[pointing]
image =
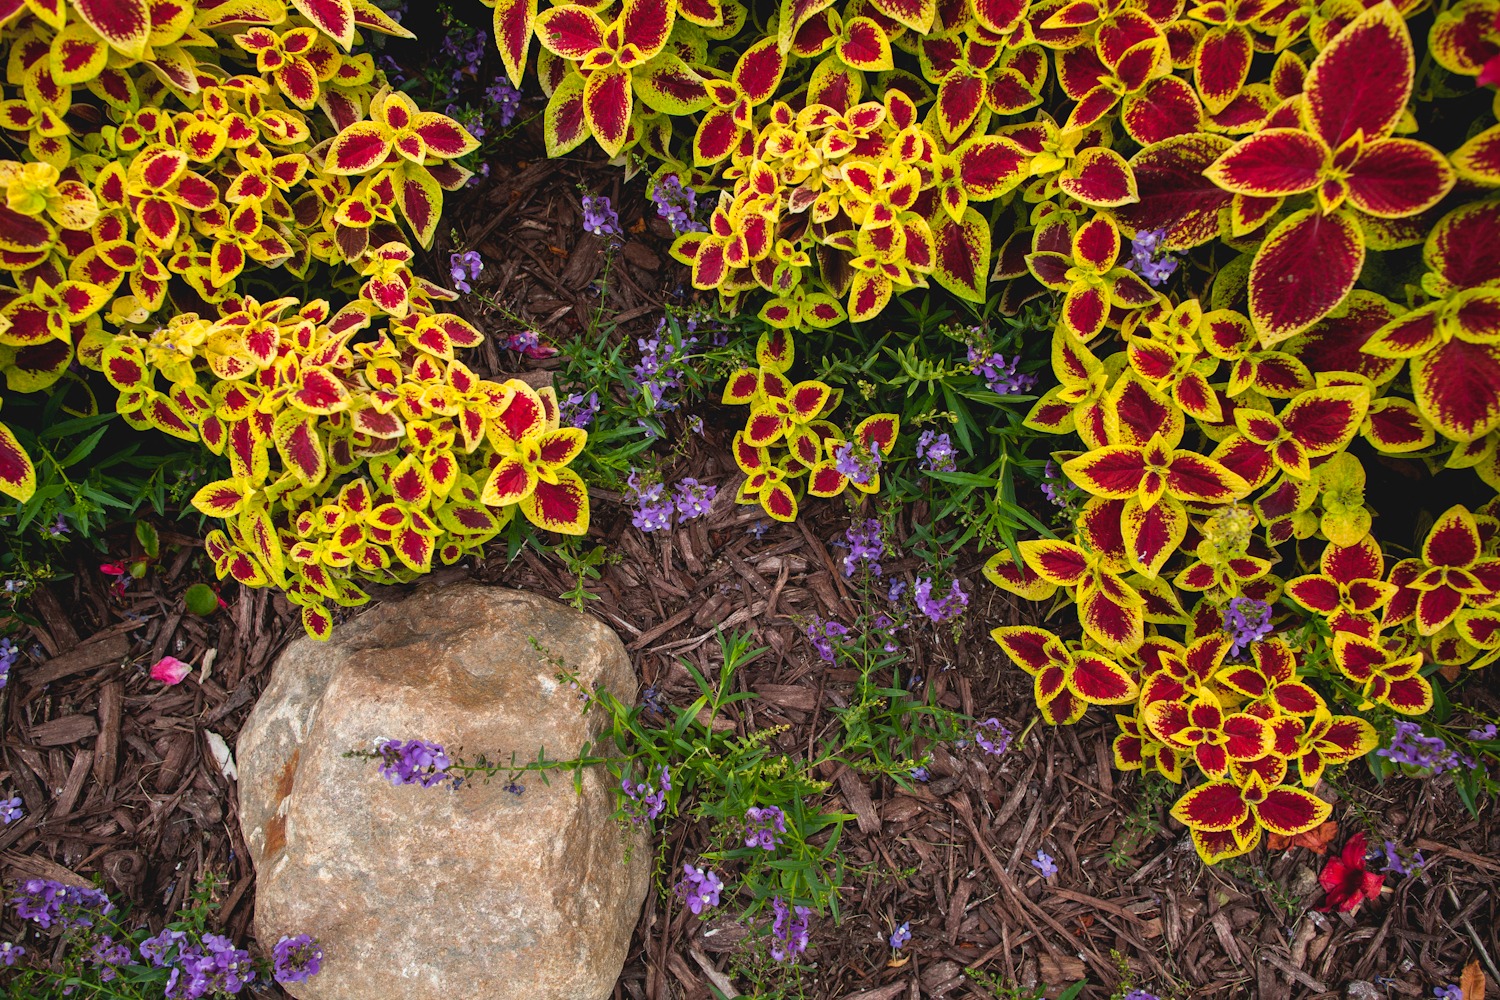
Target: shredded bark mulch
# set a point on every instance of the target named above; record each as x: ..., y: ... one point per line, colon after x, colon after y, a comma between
x: 120, y: 782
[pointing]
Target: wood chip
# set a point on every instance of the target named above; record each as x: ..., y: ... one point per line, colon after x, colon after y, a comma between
x: 63, y: 731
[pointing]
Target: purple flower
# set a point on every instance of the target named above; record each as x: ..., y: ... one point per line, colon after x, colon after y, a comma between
x: 759, y: 529
x: 463, y: 268
x: 1452, y: 991
x: 647, y: 802
x: 659, y: 369
x: 58, y: 528
x: 1140, y: 995
x: 996, y: 745
x: 1000, y: 375
x: 901, y: 935
x: 1054, y: 485
x: 950, y: 606
x: 106, y: 954
x: 1401, y: 863
x: 10, y: 810
x: 468, y: 50
x: 920, y: 774
x: 599, y: 216
x: 1044, y: 864
x: 10, y: 953
x: 865, y: 546
x: 506, y: 98
x: 788, y: 931
x: 1148, y: 259
x: 44, y: 901
x: 154, y: 949
x: 698, y: 888
x: 936, y: 452
x: 653, y: 508
x: 822, y: 634
x: 858, y: 464
x: 1410, y: 748
x: 694, y: 498
x: 217, y: 966
x: 762, y: 826
x: 413, y: 762
x: 676, y: 204
x: 1246, y: 620
x: 579, y: 410
x: 296, y: 959
x: 1482, y: 735
x: 898, y: 587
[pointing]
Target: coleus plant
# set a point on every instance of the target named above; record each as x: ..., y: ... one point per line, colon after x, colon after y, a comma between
x: 788, y: 448
x: 187, y: 147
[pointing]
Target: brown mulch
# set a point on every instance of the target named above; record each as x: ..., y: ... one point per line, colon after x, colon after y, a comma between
x: 120, y: 784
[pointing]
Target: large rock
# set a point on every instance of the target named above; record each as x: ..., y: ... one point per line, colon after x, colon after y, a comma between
x: 435, y: 894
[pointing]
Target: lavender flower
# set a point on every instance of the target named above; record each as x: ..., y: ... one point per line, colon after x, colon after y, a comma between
x: 154, y: 949
x: 217, y: 967
x: 999, y: 374
x: 950, y: 606
x: 413, y: 762
x: 296, y: 959
x: 762, y: 826
x: 676, y: 204
x: 579, y: 410
x: 1043, y: 863
x: 506, y: 98
x: 788, y: 931
x: 854, y: 461
x: 1140, y: 995
x: 106, y: 954
x: 468, y: 50
x: 1055, y: 486
x: 58, y: 528
x: 1401, y: 863
x: 659, y: 369
x: 44, y: 901
x: 865, y: 546
x: 1452, y: 991
x: 822, y: 634
x: 699, y: 889
x: 759, y: 529
x: 463, y: 268
x: 599, y: 216
x: 936, y: 452
x: 8, y: 654
x: 647, y: 801
x: 901, y: 935
x: 920, y: 774
x: 1482, y: 735
x: 1246, y: 620
x: 898, y: 587
x: 10, y: 810
x: 694, y: 498
x: 996, y: 745
x: 1148, y: 259
x: 1409, y: 748
x: 653, y: 508
x: 11, y: 953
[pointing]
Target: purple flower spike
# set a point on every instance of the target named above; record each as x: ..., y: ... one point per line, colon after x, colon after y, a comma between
x: 699, y: 888
x: 762, y: 826
x: 413, y: 762
x: 788, y: 930
x: 599, y: 216
x: 296, y: 959
x: 1246, y: 620
x: 936, y: 452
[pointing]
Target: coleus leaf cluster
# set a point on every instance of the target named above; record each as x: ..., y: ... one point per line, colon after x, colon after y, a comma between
x: 788, y: 448
x: 176, y: 151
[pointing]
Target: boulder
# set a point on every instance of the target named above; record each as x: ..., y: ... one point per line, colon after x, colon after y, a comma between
x: 477, y: 893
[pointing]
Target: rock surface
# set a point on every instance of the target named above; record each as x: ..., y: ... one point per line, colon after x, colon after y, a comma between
x: 436, y: 894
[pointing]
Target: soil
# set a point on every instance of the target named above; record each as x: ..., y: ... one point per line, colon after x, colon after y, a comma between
x: 120, y: 784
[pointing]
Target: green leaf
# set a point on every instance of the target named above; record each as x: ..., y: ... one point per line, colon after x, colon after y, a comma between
x: 201, y: 600
x: 145, y: 533
x: 1072, y: 992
